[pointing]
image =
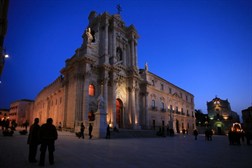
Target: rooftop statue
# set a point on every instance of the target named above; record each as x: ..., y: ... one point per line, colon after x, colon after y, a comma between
x: 89, y: 36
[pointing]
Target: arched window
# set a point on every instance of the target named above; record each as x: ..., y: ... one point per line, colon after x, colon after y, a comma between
x: 91, y: 90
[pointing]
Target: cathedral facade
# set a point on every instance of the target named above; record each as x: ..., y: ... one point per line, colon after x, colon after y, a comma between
x: 106, y: 66
x: 221, y: 115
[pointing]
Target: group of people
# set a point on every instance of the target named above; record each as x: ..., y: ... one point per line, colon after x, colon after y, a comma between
x: 90, y: 129
x: 209, y: 134
x: 235, y: 137
x: 44, y: 136
x: 82, y: 128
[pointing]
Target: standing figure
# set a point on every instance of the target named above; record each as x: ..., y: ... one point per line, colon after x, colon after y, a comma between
x: 60, y: 126
x: 82, y: 128
x: 90, y: 129
x: 33, y: 140
x: 108, y: 133
x: 26, y: 124
x: 48, y: 135
x: 195, y: 133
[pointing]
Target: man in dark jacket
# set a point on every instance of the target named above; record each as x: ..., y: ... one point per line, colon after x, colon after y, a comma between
x: 90, y: 129
x: 48, y: 134
x: 33, y: 140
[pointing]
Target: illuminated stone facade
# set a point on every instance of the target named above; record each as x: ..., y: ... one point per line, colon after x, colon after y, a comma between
x: 221, y: 116
x: 106, y: 66
x: 20, y: 111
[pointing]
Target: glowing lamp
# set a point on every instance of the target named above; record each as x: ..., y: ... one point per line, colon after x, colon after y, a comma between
x: 225, y: 117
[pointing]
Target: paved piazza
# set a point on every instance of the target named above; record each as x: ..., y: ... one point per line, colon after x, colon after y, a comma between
x: 176, y: 152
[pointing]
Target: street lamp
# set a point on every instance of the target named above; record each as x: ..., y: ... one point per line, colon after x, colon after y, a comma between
x: 3, y: 56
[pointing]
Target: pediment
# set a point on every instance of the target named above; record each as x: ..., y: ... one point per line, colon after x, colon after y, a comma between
x: 176, y: 95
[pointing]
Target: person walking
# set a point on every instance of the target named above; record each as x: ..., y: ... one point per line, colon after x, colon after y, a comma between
x: 195, y: 133
x: 33, y: 140
x: 48, y: 135
x: 90, y: 129
x: 60, y: 126
x: 82, y: 128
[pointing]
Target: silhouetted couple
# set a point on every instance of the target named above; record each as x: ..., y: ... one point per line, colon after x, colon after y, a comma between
x: 44, y: 135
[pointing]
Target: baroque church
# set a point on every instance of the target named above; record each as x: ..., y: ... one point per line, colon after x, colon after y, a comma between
x: 102, y: 85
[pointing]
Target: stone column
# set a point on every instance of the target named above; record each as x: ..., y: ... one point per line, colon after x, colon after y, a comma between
x: 106, y: 42
x: 132, y: 52
x: 79, y: 97
x: 135, y: 57
x: 65, y: 120
x: 105, y: 90
x: 114, y: 44
x: 137, y: 122
x: 130, y: 104
x: 114, y: 82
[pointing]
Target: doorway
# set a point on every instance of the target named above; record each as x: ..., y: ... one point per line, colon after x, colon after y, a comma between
x: 119, y: 110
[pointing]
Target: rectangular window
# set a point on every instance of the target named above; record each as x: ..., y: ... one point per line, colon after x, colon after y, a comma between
x: 153, y: 103
x: 153, y: 83
x: 170, y: 90
x: 162, y: 106
x: 162, y: 86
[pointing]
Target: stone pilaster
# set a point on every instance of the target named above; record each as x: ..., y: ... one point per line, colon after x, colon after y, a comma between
x: 137, y: 117
x: 86, y: 99
x: 146, y: 114
x: 79, y: 97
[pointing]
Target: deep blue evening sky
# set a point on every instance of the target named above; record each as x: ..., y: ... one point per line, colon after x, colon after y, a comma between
x: 202, y: 46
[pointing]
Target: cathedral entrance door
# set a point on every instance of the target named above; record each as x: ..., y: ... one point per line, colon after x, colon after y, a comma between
x: 119, y: 110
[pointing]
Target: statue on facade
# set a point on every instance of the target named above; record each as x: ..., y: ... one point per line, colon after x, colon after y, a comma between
x: 100, y: 102
x: 89, y: 36
x: 146, y: 66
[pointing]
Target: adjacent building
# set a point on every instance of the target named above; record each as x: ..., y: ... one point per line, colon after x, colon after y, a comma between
x: 4, y: 114
x: 20, y: 111
x: 221, y: 116
x: 247, y: 119
x: 103, y: 75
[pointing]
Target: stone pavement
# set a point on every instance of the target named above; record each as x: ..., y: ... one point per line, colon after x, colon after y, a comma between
x: 174, y: 152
